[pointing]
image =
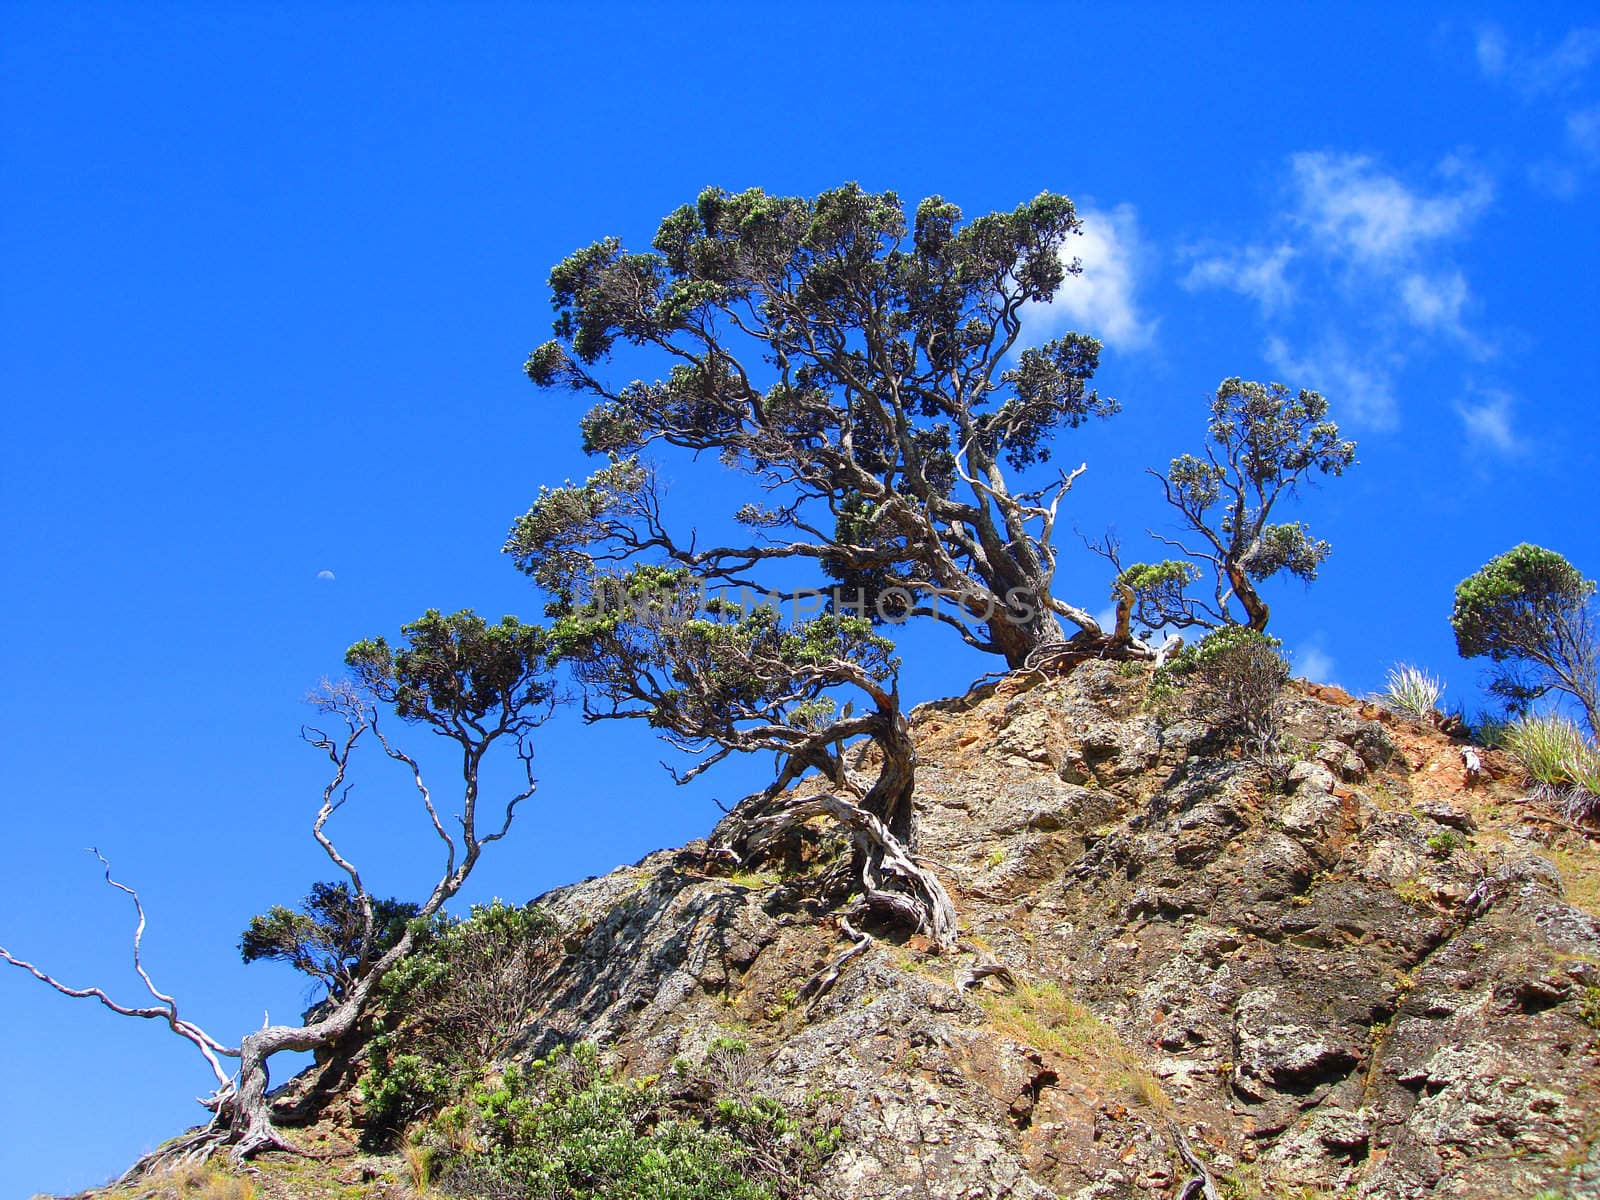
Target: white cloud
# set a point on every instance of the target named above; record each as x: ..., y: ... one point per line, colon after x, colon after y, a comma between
x: 1534, y: 72
x: 1487, y: 419
x: 325, y: 576
x: 1555, y: 77
x: 1435, y: 301
x: 1583, y: 132
x: 1253, y: 271
x: 1100, y: 301
x: 1360, y: 386
x: 1352, y: 207
x: 1314, y: 663
x: 1492, y: 50
x: 1372, y: 248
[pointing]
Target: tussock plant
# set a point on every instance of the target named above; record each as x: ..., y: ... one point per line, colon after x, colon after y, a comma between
x: 1554, y: 755
x: 1412, y: 692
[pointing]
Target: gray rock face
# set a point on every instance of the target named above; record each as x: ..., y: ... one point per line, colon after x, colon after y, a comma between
x: 1303, y: 980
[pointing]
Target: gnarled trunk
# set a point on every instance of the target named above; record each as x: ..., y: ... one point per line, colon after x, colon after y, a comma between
x: 882, y: 827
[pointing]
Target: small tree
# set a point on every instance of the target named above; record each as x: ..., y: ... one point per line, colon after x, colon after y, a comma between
x: 1263, y: 441
x: 470, y: 682
x: 1532, y: 614
x: 861, y: 368
x: 649, y: 644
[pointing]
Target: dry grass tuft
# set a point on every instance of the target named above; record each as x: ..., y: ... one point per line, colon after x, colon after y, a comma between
x: 1042, y: 1016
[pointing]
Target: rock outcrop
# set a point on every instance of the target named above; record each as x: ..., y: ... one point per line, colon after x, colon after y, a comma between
x: 1361, y: 974
x: 1364, y: 979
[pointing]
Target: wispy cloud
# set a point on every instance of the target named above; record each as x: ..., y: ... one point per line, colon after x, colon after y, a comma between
x: 1562, y: 77
x: 1362, y: 385
x: 1583, y: 132
x: 1535, y: 71
x: 1374, y: 249
x: 1351, y: 207
x: 1435, y: 301
x: 1313, y: 662
x: 1258, y: 272
x: 1354, y: 230
x: 1101, y: 300
x: 1487, y: 418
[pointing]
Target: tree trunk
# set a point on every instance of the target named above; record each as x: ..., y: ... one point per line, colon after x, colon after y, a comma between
x: 882, y: 829
x: 1245, y: 592
x: 1017, y: 639
x: 245, y: 1110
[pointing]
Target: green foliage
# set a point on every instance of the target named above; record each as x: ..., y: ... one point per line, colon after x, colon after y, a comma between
x: 566, y: 1126
x: 844, y: 356
x: 1239, y: 676
x: 324, y: 939
x: 1530, y: 612
x: 398, y: 1088
x: 1264, y: 440
x: 1157, y: 590
x: 1443, y: 843
x: 467, y: 991
x: 553, y: 541
x: 1550, y: 750
x: 1507, y: 605
x: 1589, y: 1007
x: 706, y: 668
x: 1553, y: 753
x: 1413, y: 692
x: 458, y: 672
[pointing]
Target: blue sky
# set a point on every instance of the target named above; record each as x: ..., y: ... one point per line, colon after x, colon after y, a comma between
x: 270, y: 276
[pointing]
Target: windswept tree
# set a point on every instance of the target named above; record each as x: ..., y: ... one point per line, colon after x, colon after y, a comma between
x: 1531, y: 613
x: 474, y: 684
x: 1263, y: 442
x: 649, y: 643
x: 867, y: 372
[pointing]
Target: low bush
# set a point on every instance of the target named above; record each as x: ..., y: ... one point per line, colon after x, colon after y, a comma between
x: 1239, y: 676
x: 566, y: 1126
x: 452, y: 1008
x: 469, y: 989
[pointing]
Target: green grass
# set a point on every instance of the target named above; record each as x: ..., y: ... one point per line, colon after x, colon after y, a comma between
x: 1580, y: 878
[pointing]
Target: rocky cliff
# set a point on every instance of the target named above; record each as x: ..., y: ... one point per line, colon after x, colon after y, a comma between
x: 1180, y: 973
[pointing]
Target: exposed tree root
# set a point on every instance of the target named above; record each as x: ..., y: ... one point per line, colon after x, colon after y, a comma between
x: 972, y: 976
x: 893, y: 883
x: 1199, y: 1186
x: 822, y: 982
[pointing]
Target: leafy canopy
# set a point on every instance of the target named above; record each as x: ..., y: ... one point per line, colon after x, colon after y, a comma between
x: 1507, y: 606
x: 652, y: 643
x: 1531, y: 613
x: 855, y: 363
x: 459, y: 673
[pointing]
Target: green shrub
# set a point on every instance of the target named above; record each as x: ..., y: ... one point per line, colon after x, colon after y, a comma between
x: 1589, y: 1007
x: 1239, y: 676
x: 1490, y: 731
x: 1443, y: 843
x: 469, y: 990
x: 566, y: 1126
x: 1412, y: 692
x: 397, y: 1089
